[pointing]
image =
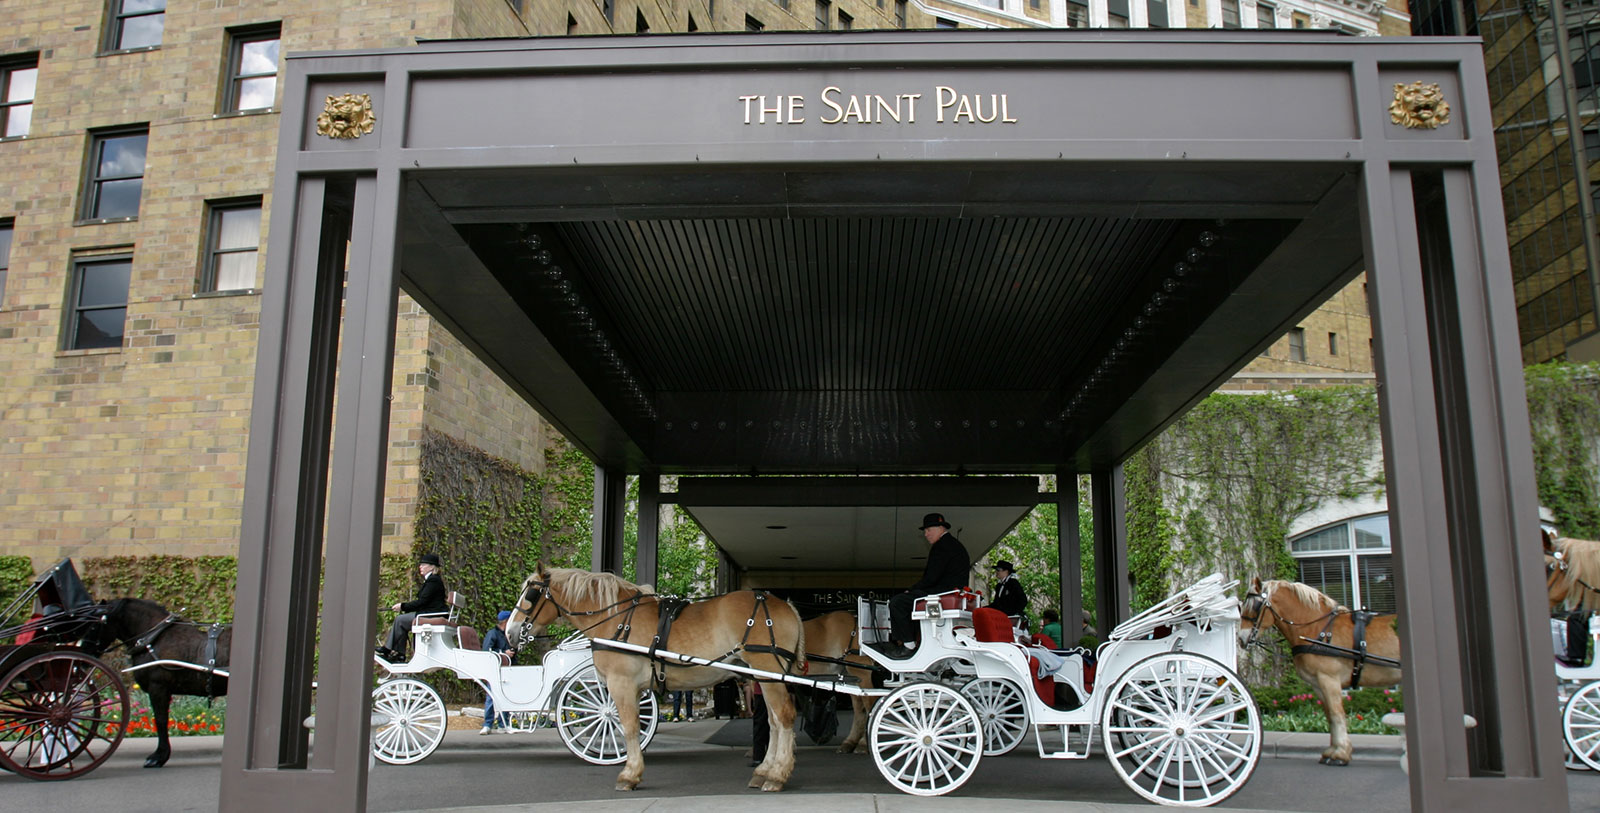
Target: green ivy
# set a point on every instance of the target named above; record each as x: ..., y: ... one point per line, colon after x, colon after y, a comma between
x: 16, y: 573
x: 1564, y: 413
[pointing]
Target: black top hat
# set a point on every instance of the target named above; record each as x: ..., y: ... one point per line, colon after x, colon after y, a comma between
x: 429, y: 559
x: 1004, y: 565
x: 933, y: 519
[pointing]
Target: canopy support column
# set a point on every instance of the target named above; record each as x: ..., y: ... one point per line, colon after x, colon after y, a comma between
x: 1069, y: 556
x: 610, y: 507
x: 646, y: 569
x: 1111, y: 582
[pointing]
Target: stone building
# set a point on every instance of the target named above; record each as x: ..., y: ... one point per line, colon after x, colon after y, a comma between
x: 137, y: 144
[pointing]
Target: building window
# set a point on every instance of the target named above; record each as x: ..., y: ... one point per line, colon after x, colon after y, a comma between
x: 18, y: 79
x: 1333, y: 343
x: 846, y: 22
x: 752, y: 24
x: 572, y: 25
x: 99, y: 302
x: 1230, y: 13
x: 640, y: 24
x: 136, y: 24
x: 6, y: 228
x: 1297, y: 344
x: 1351, y: 561
x: 1266, y: 16
x: 692, y: 27
x: 608, y: 8
x: 233, y: 238
x: 899, y: 13
x: 783, y: 4
x: 116, y: 174
x: 940, y: 22
x: 824, y: 15
x: 1077, y: 13
x: 1583, y: 45
x: 1156, y: 13
x: 252, y: 68
x: 1034, y: 4
x: 1117, y: 14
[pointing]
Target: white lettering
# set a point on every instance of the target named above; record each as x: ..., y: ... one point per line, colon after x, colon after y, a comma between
x: 944, y: 97
x: 838, y: 111
x: 796, y: 103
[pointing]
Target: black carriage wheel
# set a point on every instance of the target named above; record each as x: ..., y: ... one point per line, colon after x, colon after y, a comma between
x: 61, y: 715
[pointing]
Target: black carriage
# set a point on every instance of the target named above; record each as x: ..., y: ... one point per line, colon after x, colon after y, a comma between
x: 62, y: 711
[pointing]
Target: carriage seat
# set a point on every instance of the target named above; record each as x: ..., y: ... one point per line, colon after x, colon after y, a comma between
x: 444, y: 619
x: 958, y: 603
x: 468, y: 636
x: 992, y: 626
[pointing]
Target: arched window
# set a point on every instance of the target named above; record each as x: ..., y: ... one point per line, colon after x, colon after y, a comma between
x: 1349, y: 560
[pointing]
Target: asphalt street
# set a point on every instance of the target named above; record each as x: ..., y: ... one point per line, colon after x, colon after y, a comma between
x: 686, y: 764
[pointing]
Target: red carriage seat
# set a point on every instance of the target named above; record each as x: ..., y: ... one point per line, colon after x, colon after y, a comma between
x: 961, y: 599
x: 468, y: 638
x: 1040, y: 639
x: 992, y: 626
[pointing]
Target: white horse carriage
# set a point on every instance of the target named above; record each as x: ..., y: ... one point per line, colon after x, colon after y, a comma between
x: 563, y: 687
x: 1578, y: 684
x: 1177, y: 723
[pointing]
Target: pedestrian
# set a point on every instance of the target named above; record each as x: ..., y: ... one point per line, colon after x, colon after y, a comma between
x: 685, y: 701
x: 1052, y: 626
x: 760, y: 727
x: 497, y: 642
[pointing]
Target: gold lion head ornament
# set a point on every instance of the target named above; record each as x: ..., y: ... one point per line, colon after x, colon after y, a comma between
x: 1419, y: 106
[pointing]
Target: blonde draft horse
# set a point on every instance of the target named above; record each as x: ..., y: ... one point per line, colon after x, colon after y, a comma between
x: 1305, y: 615
x: 1572, y: 572
x: 834, y: 636
x: 734, y: 626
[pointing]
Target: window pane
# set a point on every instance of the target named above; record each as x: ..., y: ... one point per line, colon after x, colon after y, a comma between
x: 104, y: 284
x: 118, y: 199
x: 1334, y: 537
x: 141, y: 32
x: 236, y: 270
x: 122, y: 156
x: 1372, y: 532
x: 256, y: 94
x: 5, y: 246
x: 136, y: 6
x: 20, y: 87
x: 18, y: 120
x: 239, y: 228
x: 259, y: 57
x: 1377, y: 582
x: 99, y: 328
x: 1331, y: 575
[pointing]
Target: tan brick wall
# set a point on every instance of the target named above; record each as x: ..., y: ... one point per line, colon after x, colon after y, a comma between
x: 1344, y: 315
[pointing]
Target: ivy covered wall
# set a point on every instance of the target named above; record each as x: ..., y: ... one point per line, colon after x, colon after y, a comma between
x: 1564, y: 410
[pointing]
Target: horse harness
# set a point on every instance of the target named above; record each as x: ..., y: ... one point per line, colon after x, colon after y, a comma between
x: 668, y: 609
x: 146, y: 643
x: 1558, y: 561
x: 1321, y: 644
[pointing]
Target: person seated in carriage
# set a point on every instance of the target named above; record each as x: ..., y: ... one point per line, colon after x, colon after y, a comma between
x: 430, y: 600
x: 1008, y: 595
x: 946, y: 569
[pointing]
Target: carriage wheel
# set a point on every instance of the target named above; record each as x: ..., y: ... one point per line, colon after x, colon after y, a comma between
x: 588, y: 722
x: 1189, y: 730
x: 926, y: 739
x: 416, y: 721
x: 1003, y: 709
x: 61, y: 715
x: 1580, y: 725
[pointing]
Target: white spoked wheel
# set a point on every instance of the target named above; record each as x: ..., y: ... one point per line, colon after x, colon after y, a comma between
x: 414, y: 722
x: 1580, y: 725
x: 1182, y: 729
x: 1002, y: 709
x: 588, y: 722
x: 926, y: 739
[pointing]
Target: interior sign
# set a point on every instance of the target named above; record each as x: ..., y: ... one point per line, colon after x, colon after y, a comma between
x: 838, y: 107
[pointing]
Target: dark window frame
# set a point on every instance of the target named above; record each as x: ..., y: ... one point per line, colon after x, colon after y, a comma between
x: 215, y: 209
x: 8, y: 226
x: 70, y: 338
x: 1297, y: 344
x: 93, y: 182
x: 824, y: 15
x: 116, y: 24
x: 238, y: 38
x: 9, y: 66
x: 846, y: 22
x: 1363, y: 569
x: 752, y: 24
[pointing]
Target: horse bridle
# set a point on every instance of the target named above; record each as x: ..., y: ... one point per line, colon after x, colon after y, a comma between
x: 1558, y: 561
x: 1260, y: 604
x: 533, y: 596
x: 538, y: 592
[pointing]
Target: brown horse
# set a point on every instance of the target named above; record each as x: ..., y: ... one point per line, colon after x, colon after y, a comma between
x: 748, y: 627
x: 834, y: 636
x: 1306, y: 617
x: 1572, y: 572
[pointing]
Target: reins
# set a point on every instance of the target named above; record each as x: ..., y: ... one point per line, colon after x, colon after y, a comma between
x: 1320, y: 645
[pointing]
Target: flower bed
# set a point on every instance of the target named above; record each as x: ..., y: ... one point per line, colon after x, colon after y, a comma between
x: 188, y: 716
x: 1295, y: 708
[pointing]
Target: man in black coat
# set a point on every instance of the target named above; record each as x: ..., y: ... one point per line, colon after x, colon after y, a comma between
x: 1008, y: 595
x: 947, y: 569
x: 430, y: 600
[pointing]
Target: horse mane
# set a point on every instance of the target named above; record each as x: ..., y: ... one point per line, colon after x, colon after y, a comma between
x: 603, y: 588
x: 1582, y: 557
x: 1305, y: 592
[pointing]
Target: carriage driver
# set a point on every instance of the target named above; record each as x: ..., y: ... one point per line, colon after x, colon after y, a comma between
x: 430, y: 600
x: 946, y: 569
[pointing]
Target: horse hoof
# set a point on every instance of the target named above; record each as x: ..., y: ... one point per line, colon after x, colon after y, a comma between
x: 772, y: 787
x: 153, y: 762
x: 626, y: 786
x: 1336, y: 762
x: 757, y: 781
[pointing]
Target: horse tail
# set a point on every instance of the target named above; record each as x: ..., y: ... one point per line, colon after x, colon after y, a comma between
x: 800, y: 664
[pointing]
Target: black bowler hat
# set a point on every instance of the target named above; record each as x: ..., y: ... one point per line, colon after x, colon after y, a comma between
x: 1004, y: 565
x: 429, y: 559
x: 933, y: 519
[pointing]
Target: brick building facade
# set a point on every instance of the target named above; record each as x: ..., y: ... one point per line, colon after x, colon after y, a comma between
x: 137, y: 140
